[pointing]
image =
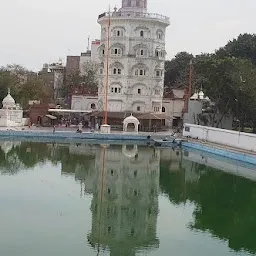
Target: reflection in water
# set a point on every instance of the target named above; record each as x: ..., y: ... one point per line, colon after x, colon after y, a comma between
x: 9, y: 158
x: 124, y: 184
x: 125, y: 200
x: 224, y: 204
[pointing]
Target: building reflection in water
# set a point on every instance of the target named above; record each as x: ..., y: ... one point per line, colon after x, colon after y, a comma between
x: 124, y: 184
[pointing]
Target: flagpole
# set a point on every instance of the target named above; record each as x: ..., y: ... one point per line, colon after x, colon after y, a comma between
x: 107, y: 73
x: 189, y: 91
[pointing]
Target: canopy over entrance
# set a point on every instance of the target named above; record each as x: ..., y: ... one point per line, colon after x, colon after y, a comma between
x: 131, y: 120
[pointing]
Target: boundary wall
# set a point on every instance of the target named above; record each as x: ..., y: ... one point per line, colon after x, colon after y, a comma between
x: 239, y: 140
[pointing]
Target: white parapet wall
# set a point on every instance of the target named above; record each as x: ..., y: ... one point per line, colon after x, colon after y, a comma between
x: 240, y: 140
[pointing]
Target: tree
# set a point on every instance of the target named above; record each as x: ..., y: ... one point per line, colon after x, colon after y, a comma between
x: 74, y: 79
x: 228, y: 78
x: 243, y: 47
x: 177, y: 70
x: 228, y: 82
x: 89, y: 75
x: 84, y: 80
x: 33, y: 90
x: 23, y: 88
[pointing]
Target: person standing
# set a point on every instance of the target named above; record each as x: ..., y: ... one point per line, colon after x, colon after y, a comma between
x: 97, y: 127
x: 80, y: 126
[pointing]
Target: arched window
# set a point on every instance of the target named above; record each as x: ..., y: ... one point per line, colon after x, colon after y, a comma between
x: 116, y: 68
x: 93, y: 106
x: 163, y: 109
x: 118, y: 33
x: 160, y: 53
x: 158, y: 73
x: 116, y: 51
x: 140, y: 72
x: 117, y: 71
x: 156, y: 109
x: 138, y: 106
x: 142, y: 52
x: 140, y: 69
x: 157, y: 92
x: 159, y: 35
x: 116, y: 89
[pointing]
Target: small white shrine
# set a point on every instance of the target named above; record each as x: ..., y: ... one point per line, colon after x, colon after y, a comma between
x: 11, y: 114
x: 131, y: 120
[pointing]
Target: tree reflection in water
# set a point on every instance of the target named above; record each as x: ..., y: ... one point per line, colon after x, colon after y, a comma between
x: 225, y: 204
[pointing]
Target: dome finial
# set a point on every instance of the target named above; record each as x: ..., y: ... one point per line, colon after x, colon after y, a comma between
x: 9, y: 90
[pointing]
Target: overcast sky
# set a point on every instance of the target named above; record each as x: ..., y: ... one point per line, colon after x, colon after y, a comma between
x: 34, y: 32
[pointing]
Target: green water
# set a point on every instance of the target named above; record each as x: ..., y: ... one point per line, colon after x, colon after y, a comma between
x: 78, y: 199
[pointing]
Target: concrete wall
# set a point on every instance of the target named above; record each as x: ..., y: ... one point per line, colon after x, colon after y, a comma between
x: 195, y: 109
x: 81, y: 102
x: 25, y: 121
x: 11, y: 118
x: 173, y: 107
x: 230, y: 138
x: 72, y: 65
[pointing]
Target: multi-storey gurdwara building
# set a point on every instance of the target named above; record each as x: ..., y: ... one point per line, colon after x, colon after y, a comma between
x: 136, y: 58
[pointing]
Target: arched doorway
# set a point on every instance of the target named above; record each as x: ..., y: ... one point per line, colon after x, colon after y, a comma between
x: 39, y: 120
x: 130, y: 127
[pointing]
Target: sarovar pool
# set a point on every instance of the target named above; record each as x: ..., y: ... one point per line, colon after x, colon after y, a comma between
x: 82, y: 199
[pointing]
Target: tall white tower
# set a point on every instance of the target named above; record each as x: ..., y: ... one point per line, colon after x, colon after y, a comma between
x: 136, y: 60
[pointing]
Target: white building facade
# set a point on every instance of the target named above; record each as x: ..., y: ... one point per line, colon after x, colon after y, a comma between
x: 136, y: 58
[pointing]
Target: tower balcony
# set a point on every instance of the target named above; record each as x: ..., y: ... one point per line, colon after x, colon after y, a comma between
x: 134, y: 16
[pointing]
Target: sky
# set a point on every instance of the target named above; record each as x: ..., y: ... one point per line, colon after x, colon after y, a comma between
x: 34, y: 32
